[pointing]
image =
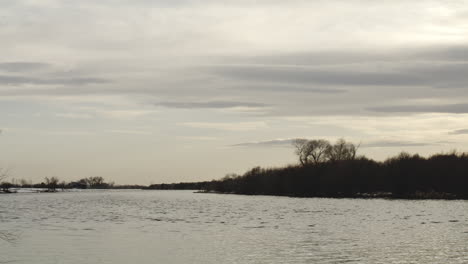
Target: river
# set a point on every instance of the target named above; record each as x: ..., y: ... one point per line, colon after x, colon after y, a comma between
x: 124, y: 226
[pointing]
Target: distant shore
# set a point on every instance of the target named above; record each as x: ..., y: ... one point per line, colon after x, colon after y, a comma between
x: 440, y: 176
x: 415, y: 196
x: 192, y: 187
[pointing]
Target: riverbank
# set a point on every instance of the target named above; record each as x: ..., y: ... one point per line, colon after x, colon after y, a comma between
x: 441, y: 176
x: 413, y: 196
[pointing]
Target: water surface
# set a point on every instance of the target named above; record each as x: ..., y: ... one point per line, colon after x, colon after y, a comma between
x: 184, y: 227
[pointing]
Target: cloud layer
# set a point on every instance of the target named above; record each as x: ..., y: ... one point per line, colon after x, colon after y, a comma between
x: 146, y: 80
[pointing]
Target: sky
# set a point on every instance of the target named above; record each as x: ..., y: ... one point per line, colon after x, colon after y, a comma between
x: 143, y: 92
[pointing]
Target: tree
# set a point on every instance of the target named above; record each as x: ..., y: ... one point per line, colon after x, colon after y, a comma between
x: 317, y: 150
x: 96, y: 182
x: 301, y: 149
x: 3, y: 174
x: 51, y: 183
x: 311, y: 151
x: 5, y: 186
x: 342, y: 150
x: 25, y: 183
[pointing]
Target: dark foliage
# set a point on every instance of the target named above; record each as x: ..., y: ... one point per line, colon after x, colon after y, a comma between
x: 178, y: 186
x: 404, y: 176
x: 53, y: 183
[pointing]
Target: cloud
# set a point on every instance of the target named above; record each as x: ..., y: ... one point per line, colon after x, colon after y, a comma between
x: 69, y: 132
x: 267, y: 143
x: 436, y: 74
x: 393, y: 143
x: 289, y: 88
x: 128, y: 114
x: 22, y: 66
x: 459, y: 132
x: 128, y: 132
x: 20, y: 80
x: 355, y: 57
x: 210, y: 104
x: 306, y: 75
x: 448, y: 108
x: 234, y: 126
x: 73, y: 115
x: 349, y: 81
x: 372, y: 144
x: 454, y: 53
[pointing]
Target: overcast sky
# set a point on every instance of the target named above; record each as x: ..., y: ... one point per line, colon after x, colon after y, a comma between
x: 141, y: 91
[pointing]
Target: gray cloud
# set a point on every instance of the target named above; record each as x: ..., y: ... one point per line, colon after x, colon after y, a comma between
x: 459, y: 132
x: 19, y: 80
x: 304, y: 75
x: 209, y: 104
x: 292, y: 88
x: 22, y: 66
x: 267, y: 143
x: 448, y: 108
x: 392, y: 143
x: 373, y: 144
x: 436, y: 67
x: 447, y: 53
x: 443, y: 75
x: 430, y: 74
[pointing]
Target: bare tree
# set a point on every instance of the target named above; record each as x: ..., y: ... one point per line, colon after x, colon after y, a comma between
x: 317, y: 150
x: 342, y: 150
x: 95, y: 182
x: 51, y: 183
x: 4, y: 185
x: 3, y: 174
x: 301, y: 149
x: 311, y: 151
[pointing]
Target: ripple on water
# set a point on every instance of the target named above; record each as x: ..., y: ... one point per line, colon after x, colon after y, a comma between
x: 181, y: 227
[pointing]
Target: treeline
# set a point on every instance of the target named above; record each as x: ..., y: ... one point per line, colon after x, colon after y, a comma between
x: 179, y: 186
x: 54, y: 183
x: 324, y: 170
x: 334, y: 170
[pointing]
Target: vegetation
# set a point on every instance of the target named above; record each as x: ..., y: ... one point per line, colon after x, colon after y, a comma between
x: 328, y: 170
x: 324, y: 170
x: 51, y: 184
x: 4, y: 185
x: 317, y: 151
x: 179, y: 186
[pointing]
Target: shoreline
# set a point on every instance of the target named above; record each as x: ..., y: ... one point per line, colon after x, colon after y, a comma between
x: 388, y: 196
x: 366, y: 196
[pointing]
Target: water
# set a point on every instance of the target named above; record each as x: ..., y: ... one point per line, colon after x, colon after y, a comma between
x: 184, y: 227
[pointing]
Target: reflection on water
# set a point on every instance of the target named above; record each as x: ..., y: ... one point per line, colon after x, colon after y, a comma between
x: 183, y: 227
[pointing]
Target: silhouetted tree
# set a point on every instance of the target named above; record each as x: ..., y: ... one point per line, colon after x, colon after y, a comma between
x: 301, y: 149
x: 51, y: 183
x: 3, y: 174
x: 311, y: 151
x: 341, y: 150
x: 4, y: 185
x: 97, y: 182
